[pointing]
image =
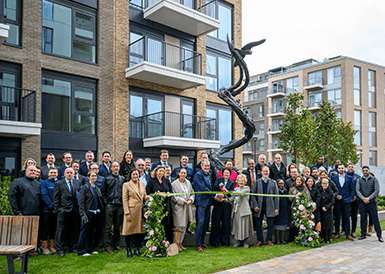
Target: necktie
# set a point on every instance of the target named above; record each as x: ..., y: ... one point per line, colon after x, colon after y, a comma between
x: 71, y: 187
x: 252, y: 178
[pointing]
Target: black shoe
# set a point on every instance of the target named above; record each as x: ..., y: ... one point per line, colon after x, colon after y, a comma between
x: 61, y: 254
x: 380, y: 239
x: 74, y: 251
x: 129, y: 253
x: 188, y: 231
x: 362, y: 237
x: 136, y: 252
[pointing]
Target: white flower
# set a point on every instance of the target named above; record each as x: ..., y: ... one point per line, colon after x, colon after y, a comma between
x: 151, y: 199
x: 301, y: 207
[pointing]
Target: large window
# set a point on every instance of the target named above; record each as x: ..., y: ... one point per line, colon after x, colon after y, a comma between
x: 334, y: 97
x: 315, y: 98
x: 260, y: 128
x: 292, y: 85
x: 276, y: 124
x: 9, y: 97
x: 334, y: 75
x: 372, y: 88
x: 357, y: 126
x: 222, y: 12
x: 315, y: 78
x: 224, y: 123
x: 69, y: 30
x: 339, y: 113
x: 10, y: 14
x: 218, y: 72
x: 357, y: 86
x: 372, y: 158
x: 263, y: 93
x: 372, y: 129
x: 277, y: 106
x: 69, y: 103
x: 253, y: 95
x: 259, y: 111
x: 278, y: 87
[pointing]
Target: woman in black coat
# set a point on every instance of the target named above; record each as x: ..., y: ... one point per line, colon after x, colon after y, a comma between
x: 315, y: 196
x: 326, y: 207
x: 160, y: 184
x: 126, y: 164
x: 281, y: 221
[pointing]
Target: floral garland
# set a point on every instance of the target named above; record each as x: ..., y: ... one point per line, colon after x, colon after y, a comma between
x: 154, y: 214
x: 303, y: 219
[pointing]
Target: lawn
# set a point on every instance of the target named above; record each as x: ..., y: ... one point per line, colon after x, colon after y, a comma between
x: 189, y: 261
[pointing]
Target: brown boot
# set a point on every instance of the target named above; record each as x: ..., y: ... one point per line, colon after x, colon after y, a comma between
x: 51, y: 245
x: 44, y: 246
x: 370, y: 231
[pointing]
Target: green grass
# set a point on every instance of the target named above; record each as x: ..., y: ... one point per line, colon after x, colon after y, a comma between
x: 188, y: 261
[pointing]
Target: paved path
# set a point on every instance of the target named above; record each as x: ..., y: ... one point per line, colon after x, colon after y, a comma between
x: 365, y: 256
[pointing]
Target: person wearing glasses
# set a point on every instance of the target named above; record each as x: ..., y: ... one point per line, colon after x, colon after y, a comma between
x: 143, y: 176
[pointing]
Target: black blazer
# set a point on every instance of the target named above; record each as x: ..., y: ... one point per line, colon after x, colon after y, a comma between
x: 86, y: 198
x: 62, y: 198
x: 276, y: 174
x: 125, y: 168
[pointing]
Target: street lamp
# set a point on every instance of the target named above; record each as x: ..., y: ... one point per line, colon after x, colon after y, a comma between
x: 255, y: 139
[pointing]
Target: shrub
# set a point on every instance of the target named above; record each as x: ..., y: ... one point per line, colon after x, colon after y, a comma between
x: 5, y: 207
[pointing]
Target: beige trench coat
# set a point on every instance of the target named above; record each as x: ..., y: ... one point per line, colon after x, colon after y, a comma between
x: 133, y: 204
x: 182, y: 212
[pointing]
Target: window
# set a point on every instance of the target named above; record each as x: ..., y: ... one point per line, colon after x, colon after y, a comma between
x: 315, y: 78
x: 334, y: 75
x: 372, y: 88
x: 315, y: 98
x: 263, y: 93
x: 357, y: 86
x: 253, y: 95
x: 261, y: 145
x: 372, y: 158
x: 277, y: 106
x: 339, y: 113
x: 334, y: 97
x: 259, y: 111
x: 218, y: 72
x: 292, y: 85
x: 359, y: 153
x: 278, y: 87
x: 222, y: 12
x: 357, y: 126
x: 276, y: 124
x: 9, y: 97
x: 69, y: 30
x: 275, y: 142
x: 372, y: 129
x: 247, y: 110
x: 223, y: 127
x: 248, y: 146
x: 260, y: 128
x: 10, y: 12
x: 69, y: 103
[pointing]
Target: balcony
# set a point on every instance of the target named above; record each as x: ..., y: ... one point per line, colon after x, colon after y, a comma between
x: 162, y: 63
x: 313, y: 84
x: 4, y: 32
x: 180, y: 15
x: 175, y: 130
x: 275, y: 112
x: 312, y: 105
x: 18, y: 112
x: 273, y: 92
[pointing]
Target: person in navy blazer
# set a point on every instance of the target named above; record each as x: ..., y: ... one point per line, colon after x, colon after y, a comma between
x: 163, y: 160
x: 105, y: 167
x: 67, y: 159
x: 222, y: 211
x: 202, y: 182
x: 85, y: 167
x: 345, y: 185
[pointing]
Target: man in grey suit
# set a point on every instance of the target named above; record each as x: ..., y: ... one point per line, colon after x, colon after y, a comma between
x: 264, y: 206
x: 50, y: 159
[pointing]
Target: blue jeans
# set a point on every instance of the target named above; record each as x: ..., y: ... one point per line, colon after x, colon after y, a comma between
x: 370, y: 208
x: 258, y: 223
x: 203, y: 219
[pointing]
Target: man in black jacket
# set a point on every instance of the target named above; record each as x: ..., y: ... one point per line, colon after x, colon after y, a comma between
x: 197, y: 168
x: 66, y: 206
x: 251, y: 173
x: 289, y: 182
x: 50, y: 159
x: 112, y: 191
x: 277, y: 169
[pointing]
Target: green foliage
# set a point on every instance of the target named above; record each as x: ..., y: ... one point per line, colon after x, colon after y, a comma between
x: 5, y: 207
x: 156, y: 241
x: 305, y: 135
x: 303, y: 219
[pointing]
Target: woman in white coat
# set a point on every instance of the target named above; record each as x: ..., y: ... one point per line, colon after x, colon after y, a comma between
x: 182, y: 205
x: 242, y: 222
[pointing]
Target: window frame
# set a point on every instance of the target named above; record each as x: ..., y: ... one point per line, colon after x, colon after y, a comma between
x: 215, y: 34
x: 217, y: 108
x: 335, y: 78
x: 217, y: 76
x: 17, y: 22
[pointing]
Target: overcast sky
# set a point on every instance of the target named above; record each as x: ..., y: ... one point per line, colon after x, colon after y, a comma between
x: 300, y: 29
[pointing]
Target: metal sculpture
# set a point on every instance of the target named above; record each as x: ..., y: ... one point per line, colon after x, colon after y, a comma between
x: 228, y: 95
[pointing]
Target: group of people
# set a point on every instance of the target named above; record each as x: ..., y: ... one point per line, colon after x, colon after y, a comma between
x: 84, y: 206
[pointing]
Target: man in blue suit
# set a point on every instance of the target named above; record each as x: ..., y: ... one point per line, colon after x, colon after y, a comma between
x: 85, y: 167
x: 105, y: 167
x: 163, y: 160
x: 67, y: 159
x: 320, y: 162
x: 183, y: 164
x: 202, y: 182
x: 345, y: 185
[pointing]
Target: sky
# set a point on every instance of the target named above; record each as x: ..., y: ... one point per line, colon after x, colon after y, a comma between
x: 301, y: 29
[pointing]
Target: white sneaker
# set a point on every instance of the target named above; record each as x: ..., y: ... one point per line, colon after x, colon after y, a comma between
x: 95, y: 253
x: 86, y: 255
x: 246, y: 245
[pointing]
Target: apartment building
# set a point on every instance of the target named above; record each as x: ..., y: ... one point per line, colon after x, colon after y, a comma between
x: 116, y: 75
x: 354, y: 87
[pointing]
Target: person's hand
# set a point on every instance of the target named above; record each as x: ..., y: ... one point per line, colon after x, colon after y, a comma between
x: 256, y: 209
x: 167, y: 194
x: 220, y: 195
x: 355, y: 198
x: 276, y: 212
x: 324, y: 209
x: 299, y: 194
x: 221, y: 185
x: 339, y: 197
x: 54, y: 212
x: 314, y: 208
x: 19, y: 214
x: 366, y: 200
x: 84, y: 220
x: 128, y: 217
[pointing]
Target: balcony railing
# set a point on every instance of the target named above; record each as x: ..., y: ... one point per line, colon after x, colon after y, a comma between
x: 274, y: 110
x: 17, y: 104
x: 166, y: 123
x: 165, y: 54
x: 313, y: 82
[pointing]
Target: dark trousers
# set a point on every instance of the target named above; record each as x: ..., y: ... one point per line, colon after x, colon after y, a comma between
x: 344, y: 209
x: 354, y: 214
x: 168, y: 229
x: 270, y: 223
x: 370, y: 209
x: 327, y: 234
x: 67, y: 231
x: 88, y: 232
x: 220, y: 224
x: 48, y: 230
x: 133, y: 238
x: 114, y: 219
x: 203, y: 219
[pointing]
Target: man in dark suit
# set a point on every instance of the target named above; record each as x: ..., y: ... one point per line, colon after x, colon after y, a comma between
x: 202, y: 182
x: 289, y: 182
x: 260, y: 164
x: 67, y: 159
x: 105, y: 167
x: 84, y: 168
x: 265, y: 206
x: 251, y: 173
x: 345, y: 186
x: 66, y: 206
x: 167, y: 173
x: 163, y: 160
x: 198, y: 167
x: 75, y: 166
x: 278, y: 169
x: 143, y: 176
x: 183, y: 164
x: 50, y: 159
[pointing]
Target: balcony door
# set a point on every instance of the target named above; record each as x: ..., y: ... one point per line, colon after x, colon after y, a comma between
x: 9, y: 79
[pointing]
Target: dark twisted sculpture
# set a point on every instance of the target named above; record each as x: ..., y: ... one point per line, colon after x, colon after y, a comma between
x: 228, y: 95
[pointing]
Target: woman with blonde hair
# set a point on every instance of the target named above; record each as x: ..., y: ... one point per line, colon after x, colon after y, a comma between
x: 27, y: 163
